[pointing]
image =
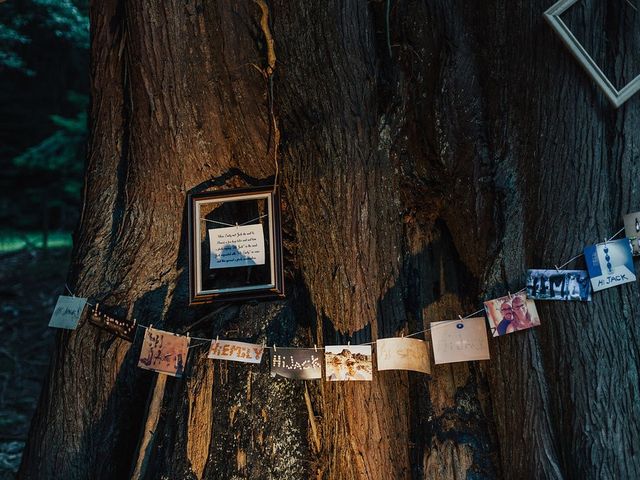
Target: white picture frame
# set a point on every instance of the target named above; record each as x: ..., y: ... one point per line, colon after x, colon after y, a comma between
x: 615, y: 96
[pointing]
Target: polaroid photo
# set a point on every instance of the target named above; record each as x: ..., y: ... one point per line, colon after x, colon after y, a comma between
x: 511, y: 313
x: 632, y: 230
x: 554, y: 284
x: 348, y: 362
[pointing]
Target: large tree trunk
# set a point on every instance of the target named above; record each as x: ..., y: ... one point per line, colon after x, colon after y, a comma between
x: 428, y: 153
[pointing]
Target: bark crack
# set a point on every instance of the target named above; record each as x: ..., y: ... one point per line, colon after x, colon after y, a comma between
x: 267, y: 73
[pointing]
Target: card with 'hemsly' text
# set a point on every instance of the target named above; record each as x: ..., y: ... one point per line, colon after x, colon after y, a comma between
x: 236, y: 351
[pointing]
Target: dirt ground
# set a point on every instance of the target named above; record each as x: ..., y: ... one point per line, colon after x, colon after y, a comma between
x: 30, y: 283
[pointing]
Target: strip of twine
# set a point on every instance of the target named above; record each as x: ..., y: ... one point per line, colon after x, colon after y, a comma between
x: 205, y: 341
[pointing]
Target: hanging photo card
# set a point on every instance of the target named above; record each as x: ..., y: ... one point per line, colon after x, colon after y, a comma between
x: 123, y: 327
x: 511, y: 313
x: 67, y: 312
x: 296, y: 363
x: 402, y: 354
x: 558, y: 285
x: 241, y: 246
x: 348, y: 362
x: 459, y: 340
x: 164, y: 352
x: 236, y: 351
x: 632, y: 230
x: 610, y: 264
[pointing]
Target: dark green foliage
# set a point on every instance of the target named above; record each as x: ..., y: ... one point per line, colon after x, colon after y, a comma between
x: 43, y: 102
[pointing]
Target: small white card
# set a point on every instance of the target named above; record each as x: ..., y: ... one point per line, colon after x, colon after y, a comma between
x: 236, y: 351
x: 241, y: 246
x: 67, y: 312
x: 459, y: 340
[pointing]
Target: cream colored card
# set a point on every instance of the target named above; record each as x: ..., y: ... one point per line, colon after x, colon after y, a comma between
x: 459, y: 340
x: 402, y: 354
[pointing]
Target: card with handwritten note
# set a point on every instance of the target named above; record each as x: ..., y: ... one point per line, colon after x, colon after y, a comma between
x: 236, y: 351
x: 241, y: 246
x: 402, y: 354
x: 164, y: 352
x: 459, y: 340
x: 68, y: 312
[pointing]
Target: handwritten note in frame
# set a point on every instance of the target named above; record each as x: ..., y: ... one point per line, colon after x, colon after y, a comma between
x: 232, y: 247
x: 235, y: 245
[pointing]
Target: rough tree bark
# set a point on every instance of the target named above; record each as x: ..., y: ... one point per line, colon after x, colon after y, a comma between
x: 428, y: 153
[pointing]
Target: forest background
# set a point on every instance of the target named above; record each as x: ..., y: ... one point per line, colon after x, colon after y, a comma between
x: 44, y: 82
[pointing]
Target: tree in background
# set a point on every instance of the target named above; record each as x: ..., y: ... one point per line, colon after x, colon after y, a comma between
x: 49, y: 173
x: 43, y: 100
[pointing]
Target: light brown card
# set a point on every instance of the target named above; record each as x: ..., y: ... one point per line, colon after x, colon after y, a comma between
x: 402, y: 354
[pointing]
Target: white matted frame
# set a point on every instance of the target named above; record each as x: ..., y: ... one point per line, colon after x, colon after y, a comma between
x: 615, y: 96
x: 258, y: 206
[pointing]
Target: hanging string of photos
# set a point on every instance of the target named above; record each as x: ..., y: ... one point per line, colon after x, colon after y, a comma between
x: 459, y: 340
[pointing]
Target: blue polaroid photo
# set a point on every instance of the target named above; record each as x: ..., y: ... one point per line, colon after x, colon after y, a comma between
x: 610, y: 264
